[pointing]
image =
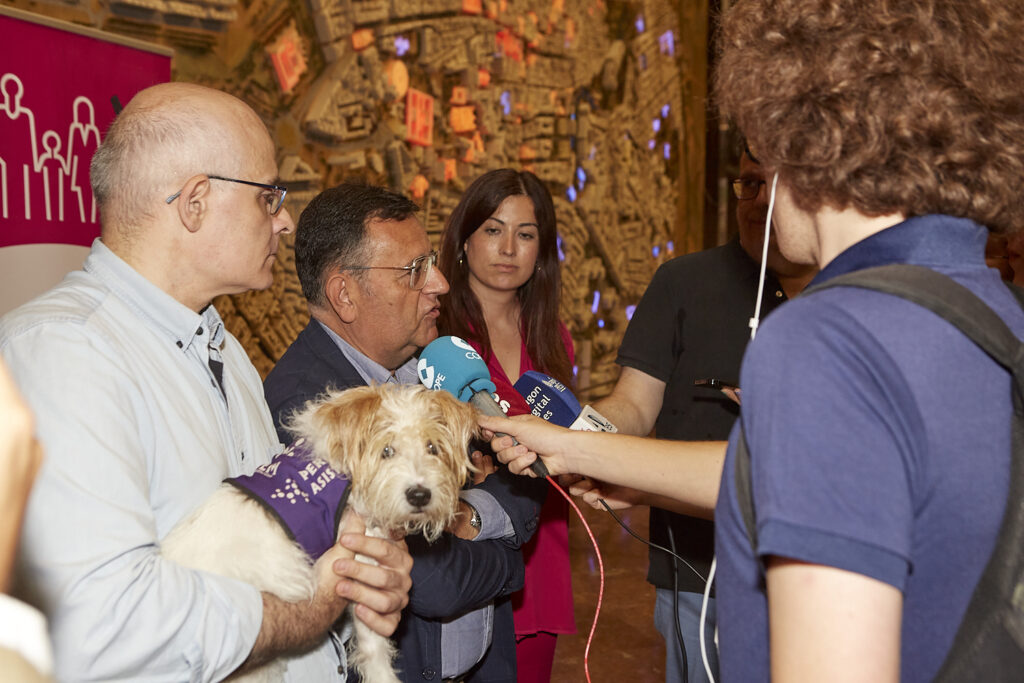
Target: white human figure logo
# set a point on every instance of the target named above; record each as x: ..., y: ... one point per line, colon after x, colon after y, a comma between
x: 38, y: 175
x: 83, y: 139
x: 17, y: 143
x: 54, y: 170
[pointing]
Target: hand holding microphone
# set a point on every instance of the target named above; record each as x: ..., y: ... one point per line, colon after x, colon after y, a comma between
x: 552, y: 402
x: 451, y: 364
x: 555, y: 443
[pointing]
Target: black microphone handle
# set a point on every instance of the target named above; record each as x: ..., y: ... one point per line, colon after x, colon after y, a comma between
x: 484, y: 403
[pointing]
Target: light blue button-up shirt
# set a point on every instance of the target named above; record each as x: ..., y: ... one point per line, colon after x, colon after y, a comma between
x: 137, y: 434
x: 465, y: 638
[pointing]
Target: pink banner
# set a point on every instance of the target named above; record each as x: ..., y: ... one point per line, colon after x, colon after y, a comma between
x: 55, y: 105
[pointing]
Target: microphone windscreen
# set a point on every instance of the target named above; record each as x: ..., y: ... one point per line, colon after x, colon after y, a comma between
x: 548, y: 398
x: 450, y: 363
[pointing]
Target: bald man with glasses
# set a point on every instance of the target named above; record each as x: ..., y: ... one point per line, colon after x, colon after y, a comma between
x: 144, y: 403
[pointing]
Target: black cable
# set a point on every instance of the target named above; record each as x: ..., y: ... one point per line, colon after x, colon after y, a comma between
x: 653, y: 545
x: 675, y: 605
x: 675, y: 578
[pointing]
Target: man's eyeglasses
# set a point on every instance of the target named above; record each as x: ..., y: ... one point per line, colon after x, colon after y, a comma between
x: 274, y: 195
x: 419, y: 269
x: 747, y: 188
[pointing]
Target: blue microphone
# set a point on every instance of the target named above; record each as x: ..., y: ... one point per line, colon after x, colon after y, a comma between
x: 548, y: 398
x: 450, y: 363
x: 552, y: 401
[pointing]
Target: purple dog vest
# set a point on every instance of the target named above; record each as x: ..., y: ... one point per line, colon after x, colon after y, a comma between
x: 304, y: 493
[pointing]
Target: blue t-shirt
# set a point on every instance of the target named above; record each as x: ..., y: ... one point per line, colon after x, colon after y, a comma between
x: 880, y: 444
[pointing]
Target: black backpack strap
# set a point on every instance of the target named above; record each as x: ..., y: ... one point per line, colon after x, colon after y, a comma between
x: 947, y: 299
x: 936, y: 292
x: 1017, y: 292
x: 744, y: 492
x: 989, y: 644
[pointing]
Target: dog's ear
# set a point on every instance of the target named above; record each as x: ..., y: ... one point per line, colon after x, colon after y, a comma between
x: 338, y: 425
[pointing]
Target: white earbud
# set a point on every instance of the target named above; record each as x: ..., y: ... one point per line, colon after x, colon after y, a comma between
x: 755, y: 321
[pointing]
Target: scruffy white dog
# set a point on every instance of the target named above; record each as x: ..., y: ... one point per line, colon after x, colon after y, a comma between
x: 402, y: 449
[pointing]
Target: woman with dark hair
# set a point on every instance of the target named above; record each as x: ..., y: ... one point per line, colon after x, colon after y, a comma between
x: 499, y: 253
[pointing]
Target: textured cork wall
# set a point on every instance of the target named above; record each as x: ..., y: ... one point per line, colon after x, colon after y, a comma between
x: 603, y: 100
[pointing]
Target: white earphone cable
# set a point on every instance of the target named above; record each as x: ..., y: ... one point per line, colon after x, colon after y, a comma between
x: 756, y: 320
x: 703, y: 619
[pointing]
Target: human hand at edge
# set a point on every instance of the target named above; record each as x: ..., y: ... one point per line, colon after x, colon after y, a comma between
x: 534, y: 436
x: 484, y: 465
x: 593, y: 491
x: 21, y: 456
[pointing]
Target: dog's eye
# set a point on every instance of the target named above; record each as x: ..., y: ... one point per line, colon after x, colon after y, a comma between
x: 431, y: 448
x: 387, y: 452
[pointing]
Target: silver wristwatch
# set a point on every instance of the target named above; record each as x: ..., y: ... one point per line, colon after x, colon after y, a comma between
x: 474, y: 519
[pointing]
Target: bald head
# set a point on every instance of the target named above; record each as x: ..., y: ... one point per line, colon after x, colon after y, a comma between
x: 165, y: 135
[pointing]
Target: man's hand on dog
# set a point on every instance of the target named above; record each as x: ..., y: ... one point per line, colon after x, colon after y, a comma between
x: 380, y: 592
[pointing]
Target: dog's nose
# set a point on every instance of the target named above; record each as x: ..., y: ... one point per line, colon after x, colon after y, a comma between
x: 417, y: 496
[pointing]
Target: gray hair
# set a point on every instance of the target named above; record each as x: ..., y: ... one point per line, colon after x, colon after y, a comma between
x: 144, y: 146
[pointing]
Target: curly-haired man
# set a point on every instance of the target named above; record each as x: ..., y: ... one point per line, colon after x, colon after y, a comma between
x: 879, y: 435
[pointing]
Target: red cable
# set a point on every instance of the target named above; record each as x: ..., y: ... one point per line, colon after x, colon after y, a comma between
x: 600, y: 566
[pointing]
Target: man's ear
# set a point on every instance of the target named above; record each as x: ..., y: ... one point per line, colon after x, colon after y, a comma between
x: 194, y: 202
x: 339, y: 291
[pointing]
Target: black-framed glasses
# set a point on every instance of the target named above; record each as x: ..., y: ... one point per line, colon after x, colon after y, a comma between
x: 419, y: 269
x: 747, y: 188
x: 274, y: 195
